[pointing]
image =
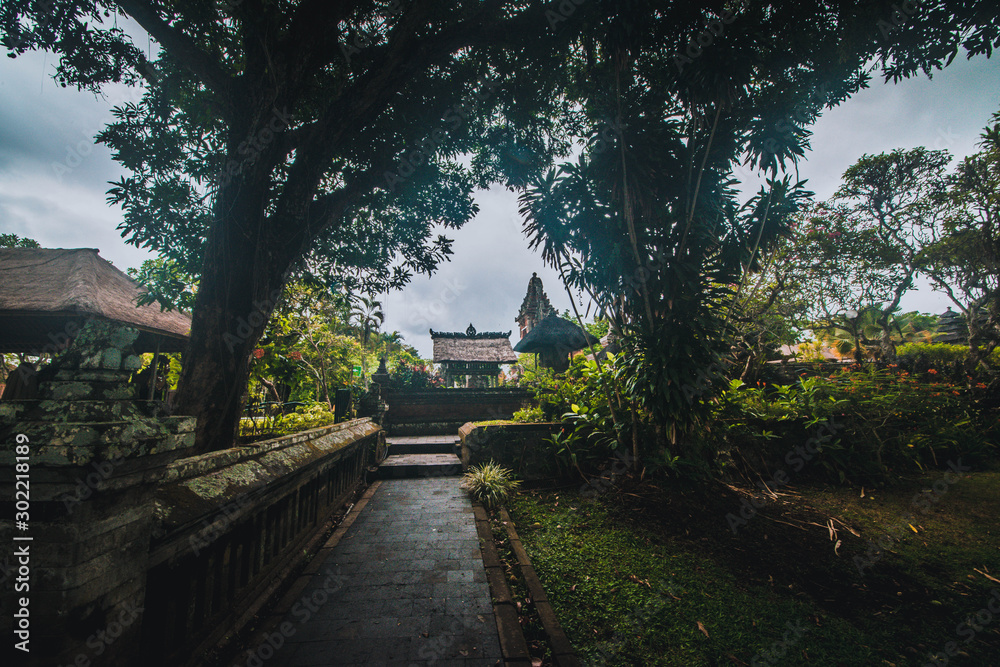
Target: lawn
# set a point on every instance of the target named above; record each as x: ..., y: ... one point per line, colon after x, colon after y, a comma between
x: 816, y: 575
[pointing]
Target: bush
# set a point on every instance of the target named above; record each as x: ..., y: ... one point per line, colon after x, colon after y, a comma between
x: 886, y: 421
x: 933, y: 353
x: 940, y: 353
x: 529, y: 415
x: 491, y: 484
x: 415, y: 376
x: 305, y: 418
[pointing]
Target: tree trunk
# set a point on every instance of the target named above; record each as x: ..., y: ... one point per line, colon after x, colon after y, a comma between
x: 241, y: 283
x: 887, y: 349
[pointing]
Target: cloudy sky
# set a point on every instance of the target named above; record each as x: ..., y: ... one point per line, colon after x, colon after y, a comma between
x: 53, y: 181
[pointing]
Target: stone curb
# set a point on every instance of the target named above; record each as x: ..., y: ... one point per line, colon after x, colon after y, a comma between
x: 512, y: 643
x: 562, y: 651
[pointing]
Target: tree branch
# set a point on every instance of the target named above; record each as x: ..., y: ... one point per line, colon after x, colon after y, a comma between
x: 181, y: 47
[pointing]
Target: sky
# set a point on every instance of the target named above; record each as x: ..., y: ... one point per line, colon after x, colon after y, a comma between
x: 54, y: 179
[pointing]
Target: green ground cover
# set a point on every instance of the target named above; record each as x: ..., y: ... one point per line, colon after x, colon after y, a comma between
x: 642, y: 577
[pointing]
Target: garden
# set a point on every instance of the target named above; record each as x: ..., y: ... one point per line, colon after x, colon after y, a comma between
x: 808, y: 475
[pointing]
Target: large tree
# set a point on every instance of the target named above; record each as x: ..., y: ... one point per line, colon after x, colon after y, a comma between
x: 292, y: 137
x: 965, y: 262
x: 673, y: 98
x: 899, y: 198
x: 281, y: 137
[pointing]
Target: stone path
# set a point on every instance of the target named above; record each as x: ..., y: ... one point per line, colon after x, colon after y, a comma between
x: 405, y: 586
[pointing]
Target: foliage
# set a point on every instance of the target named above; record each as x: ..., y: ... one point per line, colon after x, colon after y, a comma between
x: 409, y: 375
x: 312, y: 344
x: 965, y: 262
x: 941, y: 353
x: 887, y: 421
x: 899, y: 196
x: 15, y: 241
x: 491, y: 484
x: 303, y: 418
x: 631, y: 577
x: 166, y: 283
x: 529, y: 415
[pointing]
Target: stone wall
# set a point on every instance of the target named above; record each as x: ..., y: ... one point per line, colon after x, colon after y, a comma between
x: 520, y: 447
x: 126, y: 553
x: 440, y: 411
x: 78, y: 471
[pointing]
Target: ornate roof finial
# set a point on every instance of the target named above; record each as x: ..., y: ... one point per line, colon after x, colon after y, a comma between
x: 471, y: 331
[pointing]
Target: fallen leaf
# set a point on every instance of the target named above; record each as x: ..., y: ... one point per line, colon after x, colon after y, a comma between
x: 536, y: 662
x: 736, y: 661
x: 572, y: 589
x: 702, y: 628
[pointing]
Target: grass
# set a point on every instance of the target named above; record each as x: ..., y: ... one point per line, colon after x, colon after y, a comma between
x: 645, y: 577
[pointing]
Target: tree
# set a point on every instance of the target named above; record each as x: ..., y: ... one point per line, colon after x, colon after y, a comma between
x: 15, y: 241
x: 647, y: 221
x: 965, y: 262
x: 900, y: 198
x: 279, y: 138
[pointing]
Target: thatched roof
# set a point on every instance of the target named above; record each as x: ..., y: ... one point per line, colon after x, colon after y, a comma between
x: 490, y: 346
x: 47, y: 293
x: 555, y: 333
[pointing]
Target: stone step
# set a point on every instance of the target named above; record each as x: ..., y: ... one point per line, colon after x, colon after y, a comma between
x: 426, y: 444
x: 412, y: 466
x: 403, y: 448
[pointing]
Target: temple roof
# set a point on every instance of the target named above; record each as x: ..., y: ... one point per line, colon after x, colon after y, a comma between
x: 44, y: 292
x: 488, y: 346
x: 535, y: 301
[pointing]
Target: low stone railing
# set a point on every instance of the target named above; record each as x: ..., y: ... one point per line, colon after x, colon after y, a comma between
x: 127, y: 549
x: 229, y: 524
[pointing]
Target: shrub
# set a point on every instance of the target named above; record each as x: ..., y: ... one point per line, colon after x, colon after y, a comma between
x: 491, y: 484
x: 305, y: 418
x: 529, y: 415
x: 940, y: 353
x: 887, y: 422
x: 933, y: 353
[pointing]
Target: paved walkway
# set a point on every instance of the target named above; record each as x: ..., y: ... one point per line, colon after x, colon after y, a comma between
x: 404, y: 586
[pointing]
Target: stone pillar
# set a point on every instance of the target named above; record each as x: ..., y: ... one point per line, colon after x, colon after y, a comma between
x: 92, y: 456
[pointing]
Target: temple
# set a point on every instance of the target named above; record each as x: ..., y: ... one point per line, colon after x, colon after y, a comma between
x: 535, y: 306
x: 546, y: 334
x: 475, y: 356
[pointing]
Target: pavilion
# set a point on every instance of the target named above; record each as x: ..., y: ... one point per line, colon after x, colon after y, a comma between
x: 472, y: 354
x: 46, y: 295
x: 553, y: 340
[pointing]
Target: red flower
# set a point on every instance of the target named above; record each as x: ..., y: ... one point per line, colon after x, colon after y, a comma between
x: 296, y: 355
x: 258, y: 353
x: 932, y: 371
